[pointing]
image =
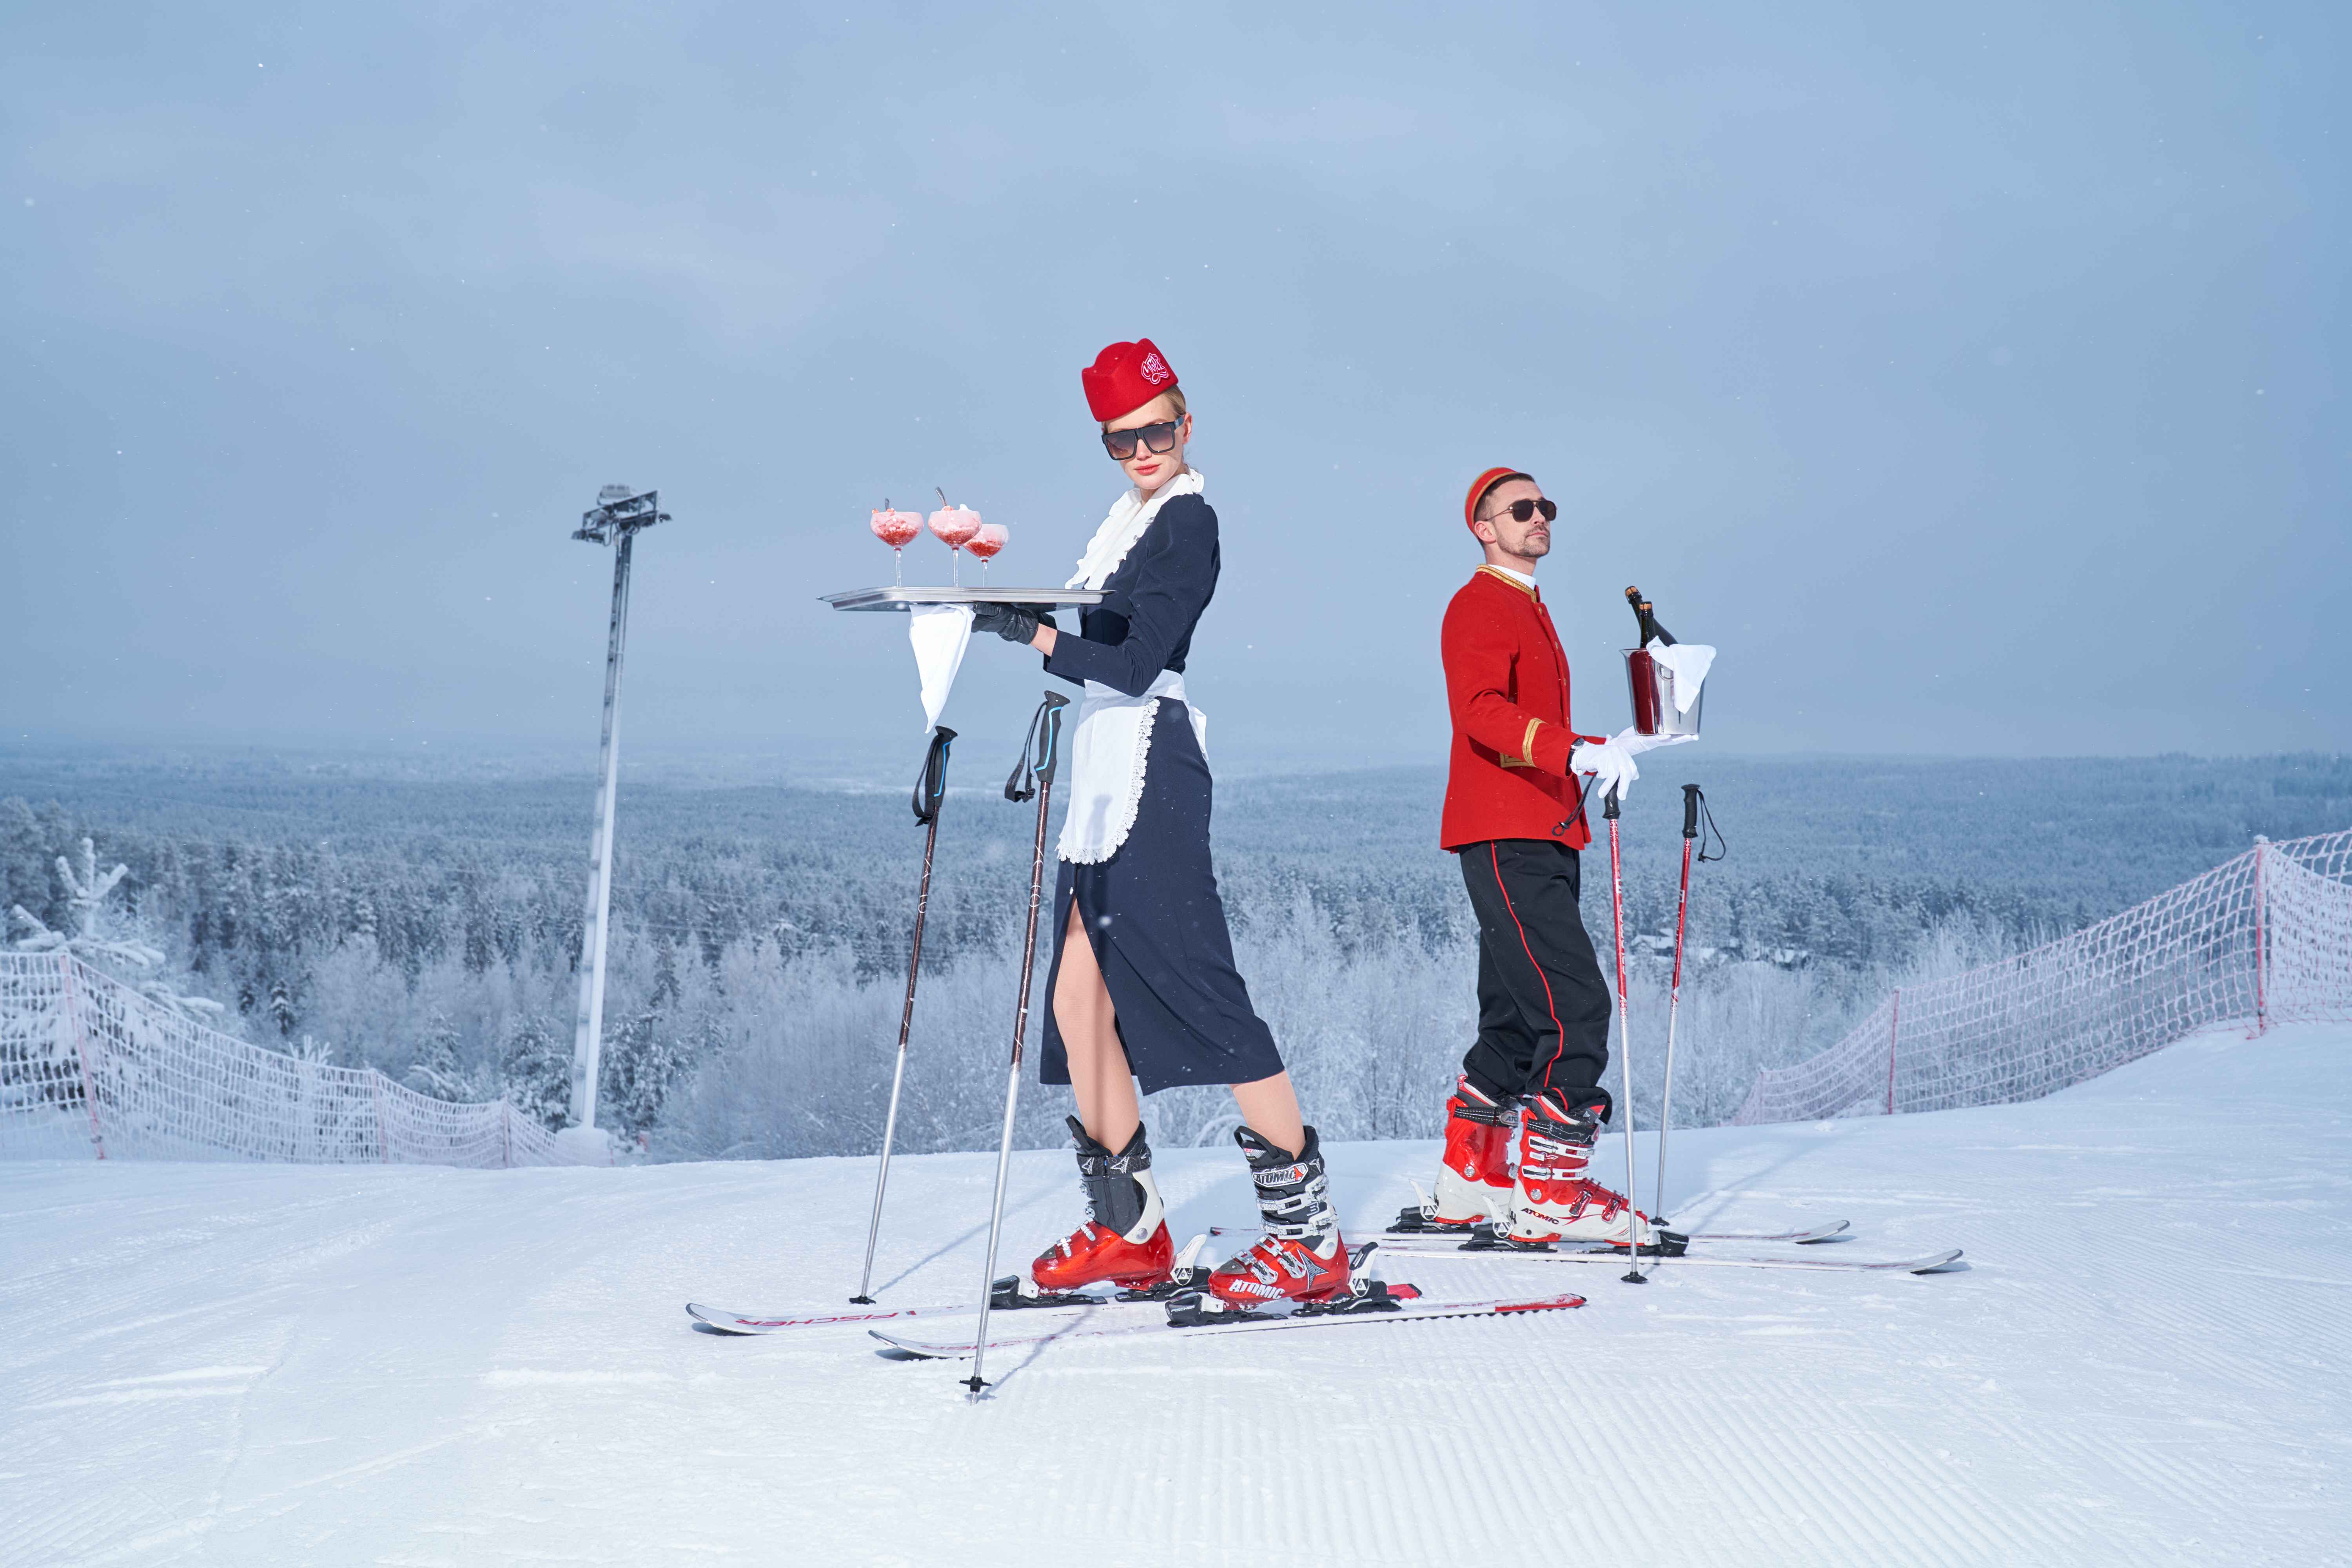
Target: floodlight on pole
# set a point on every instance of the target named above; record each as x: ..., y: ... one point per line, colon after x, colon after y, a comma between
x: 619, y: 513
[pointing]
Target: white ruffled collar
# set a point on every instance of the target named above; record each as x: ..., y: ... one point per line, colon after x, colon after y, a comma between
x: 1130, y: 516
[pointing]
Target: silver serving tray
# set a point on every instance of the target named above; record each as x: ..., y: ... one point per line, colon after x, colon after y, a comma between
x: 908, y: 598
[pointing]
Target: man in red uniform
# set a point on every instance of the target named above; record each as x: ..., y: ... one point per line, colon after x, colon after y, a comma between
x: 1514, y: 816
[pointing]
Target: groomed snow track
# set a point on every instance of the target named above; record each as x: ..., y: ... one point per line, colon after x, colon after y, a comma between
x: 279, y: 1365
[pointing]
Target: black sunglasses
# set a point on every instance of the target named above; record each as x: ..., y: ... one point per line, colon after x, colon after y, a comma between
x: 1521, y: 510
x: 1160, y: 438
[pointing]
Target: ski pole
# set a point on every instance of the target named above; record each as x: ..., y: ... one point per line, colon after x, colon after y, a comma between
x: 1632, y: 1276
x: 1041, y: 754
x: 1695, y: 809
x: 1674, y: 1002
x: 931, y: 791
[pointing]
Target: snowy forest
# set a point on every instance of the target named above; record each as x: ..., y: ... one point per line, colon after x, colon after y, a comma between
x: 430, y: 926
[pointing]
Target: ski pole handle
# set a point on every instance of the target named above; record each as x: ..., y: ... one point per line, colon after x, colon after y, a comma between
x: 1690, y: 810
x: 1041, y: 750
x: 1049, y: 761
x: 1609, y: 805
x: 932, y: 788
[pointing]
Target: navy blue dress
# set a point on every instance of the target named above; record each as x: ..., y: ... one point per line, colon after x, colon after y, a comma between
x: 1151, y: 911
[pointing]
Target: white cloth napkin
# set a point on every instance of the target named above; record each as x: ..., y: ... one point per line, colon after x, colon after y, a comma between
x: 1690, y: 661
x: 939, y: 633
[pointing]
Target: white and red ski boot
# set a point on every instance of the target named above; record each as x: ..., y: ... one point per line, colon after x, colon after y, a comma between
x: 1301, y: 1257
x: 1125, y: 1238
x: 1553, y: 1199
x: 1474, y: 1177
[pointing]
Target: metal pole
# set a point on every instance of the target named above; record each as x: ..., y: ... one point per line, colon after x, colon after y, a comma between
x: 1041, y: 754
x: 588, y: 1042
x: 931, y: 791
x: 1675, y: 1003
x: 1624, y: 1039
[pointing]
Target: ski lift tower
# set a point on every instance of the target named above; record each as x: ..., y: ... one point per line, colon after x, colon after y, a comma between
x: 619, y: 513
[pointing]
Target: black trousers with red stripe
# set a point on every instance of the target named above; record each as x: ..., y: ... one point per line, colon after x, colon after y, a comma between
x: 1543, y: 1006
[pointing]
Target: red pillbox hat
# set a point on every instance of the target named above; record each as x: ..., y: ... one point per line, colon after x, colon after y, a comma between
x: 1124, y: 377
x: 1479, y: 488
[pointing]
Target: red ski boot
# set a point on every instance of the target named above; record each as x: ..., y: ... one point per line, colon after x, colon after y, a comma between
x: 1474, y: 1180
x: 1301, y: 1257
x: 1124, y: 1239
x: 1554, y: 1201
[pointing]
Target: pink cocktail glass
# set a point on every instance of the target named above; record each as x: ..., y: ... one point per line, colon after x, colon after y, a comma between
x: 897, y: 530
x: 991, y: 538
x: 955, y: 526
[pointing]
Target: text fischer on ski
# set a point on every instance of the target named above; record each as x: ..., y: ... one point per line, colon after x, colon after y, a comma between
x: 1143, y: 985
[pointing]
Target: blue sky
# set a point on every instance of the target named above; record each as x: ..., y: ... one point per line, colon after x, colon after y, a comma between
x: 1972, y: 376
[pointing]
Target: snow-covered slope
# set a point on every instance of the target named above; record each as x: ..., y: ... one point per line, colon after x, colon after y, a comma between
x: 2146, y: 1363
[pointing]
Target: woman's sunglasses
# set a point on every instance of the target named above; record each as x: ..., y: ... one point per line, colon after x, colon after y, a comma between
x: 1160, y: 438
x: 1521, y: 510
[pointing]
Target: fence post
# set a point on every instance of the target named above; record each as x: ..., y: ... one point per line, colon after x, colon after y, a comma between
x: 383, y: 1134
x: 505, y: 1134
x: 1893, y: 1034
x: 81, y: 1052
x: 2261, y: 946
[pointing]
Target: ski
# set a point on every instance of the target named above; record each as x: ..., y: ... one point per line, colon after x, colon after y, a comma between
x: 1404, y: 1309
x: 1433, y: 1246
x: 1013, y: 1293
x: 1415, y: 1221
x: 1829, y: 1232
x: 728, y: 1322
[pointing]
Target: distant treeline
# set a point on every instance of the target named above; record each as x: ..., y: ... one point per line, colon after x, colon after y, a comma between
x: 433, y: 927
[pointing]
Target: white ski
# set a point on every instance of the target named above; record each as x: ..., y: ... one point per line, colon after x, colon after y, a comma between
x: 1408, y: 1311
x: 1827, y: 1231
x: 728, y: 1322
x: 1834, y: 1228
x: 1432, y: 1246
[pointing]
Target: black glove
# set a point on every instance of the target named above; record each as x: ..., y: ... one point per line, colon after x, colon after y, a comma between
x: 1011, y: 622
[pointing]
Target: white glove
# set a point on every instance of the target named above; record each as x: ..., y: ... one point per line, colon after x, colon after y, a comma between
x: 1636, y: 743
x: 1611, y: 763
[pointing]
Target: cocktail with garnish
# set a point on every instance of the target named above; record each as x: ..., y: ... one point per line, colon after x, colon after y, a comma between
x: 984, y: 543
x: 954, y: 527
x: 897, y: 530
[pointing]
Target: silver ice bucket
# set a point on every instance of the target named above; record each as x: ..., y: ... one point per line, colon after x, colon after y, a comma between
x: 1651, y: 685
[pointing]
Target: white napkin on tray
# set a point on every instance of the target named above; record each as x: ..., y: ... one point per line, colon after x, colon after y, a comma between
x: 939, y: 633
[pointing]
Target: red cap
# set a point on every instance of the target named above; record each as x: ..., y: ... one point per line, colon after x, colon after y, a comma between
x: 1124, y: 377
x: 1479, y: 488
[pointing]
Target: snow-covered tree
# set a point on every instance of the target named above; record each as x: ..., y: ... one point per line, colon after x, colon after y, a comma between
x: 106, y: 938
x: 440, y: 1068
x: 537, y: 1068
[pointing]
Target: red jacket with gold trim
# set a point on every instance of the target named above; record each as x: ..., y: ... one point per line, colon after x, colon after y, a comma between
x: 1506, y: 689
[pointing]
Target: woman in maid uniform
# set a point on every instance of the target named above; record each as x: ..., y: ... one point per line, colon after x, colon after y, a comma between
x: 1143, y: 985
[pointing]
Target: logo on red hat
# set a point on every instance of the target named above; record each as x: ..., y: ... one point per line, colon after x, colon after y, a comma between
x: 1155, y: 369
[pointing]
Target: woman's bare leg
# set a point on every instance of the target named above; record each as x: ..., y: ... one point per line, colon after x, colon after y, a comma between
x: 1100, y: 1074
x: 1270, y: 1109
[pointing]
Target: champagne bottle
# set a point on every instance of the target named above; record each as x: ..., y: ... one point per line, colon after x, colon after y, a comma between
x: 1650, y: 629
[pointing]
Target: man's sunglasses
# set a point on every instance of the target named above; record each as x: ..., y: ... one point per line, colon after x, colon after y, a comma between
x: 1160, y: 438
x: 1521, y: 510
